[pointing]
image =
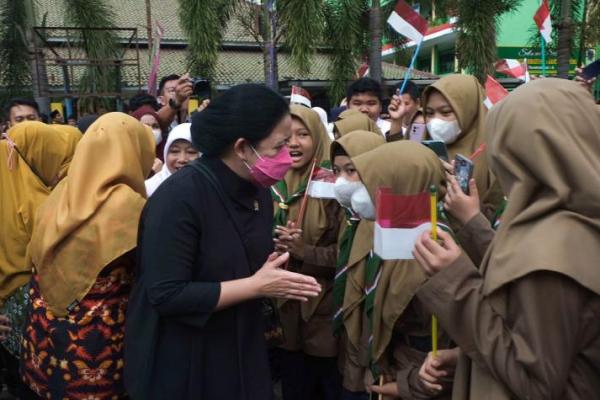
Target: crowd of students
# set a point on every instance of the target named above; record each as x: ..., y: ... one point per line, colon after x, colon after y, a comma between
x: 163, y: 256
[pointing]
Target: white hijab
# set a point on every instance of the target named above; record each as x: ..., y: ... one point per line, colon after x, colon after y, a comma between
x: 180, y: 132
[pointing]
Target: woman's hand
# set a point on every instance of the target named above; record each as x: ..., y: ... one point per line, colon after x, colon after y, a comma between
x: 157, y: 166
x: 433, y: 256
x: 434, y: 369
x: 273, y: 281
x: 289, y: 238
x: 4, y: 327
x: 397, y: 109
x: 462, y: 206
x: 387, y: 389
x: 588, y: 84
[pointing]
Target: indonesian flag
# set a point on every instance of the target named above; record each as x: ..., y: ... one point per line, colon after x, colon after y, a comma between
x: 322, y: 183
x: 494, y: 92
x: 399, y: 222
x: 300, y: 96
x: 543, y: 21
x: 408, y: 22
x: 363, y: 70
x: 512, y: 68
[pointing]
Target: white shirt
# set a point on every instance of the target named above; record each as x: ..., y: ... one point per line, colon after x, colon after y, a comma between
x: 383, y: 125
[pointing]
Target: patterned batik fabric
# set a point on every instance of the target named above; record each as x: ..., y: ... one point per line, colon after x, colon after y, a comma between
x: 15, y: 308
x: 80, y: 356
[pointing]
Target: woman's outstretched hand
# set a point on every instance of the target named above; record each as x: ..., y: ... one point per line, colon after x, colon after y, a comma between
x: 272, y: 280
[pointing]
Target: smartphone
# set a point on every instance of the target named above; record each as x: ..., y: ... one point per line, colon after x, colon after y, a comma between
x: 463, y: 170
x: 438, y: 148
x: 417, y: 132
x: 591, y: 70
x: 201, y: 88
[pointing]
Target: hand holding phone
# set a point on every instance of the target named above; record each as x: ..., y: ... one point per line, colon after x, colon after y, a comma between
x: 591, y: 70
x: 463, y: 170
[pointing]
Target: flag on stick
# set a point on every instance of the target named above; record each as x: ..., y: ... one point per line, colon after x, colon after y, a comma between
x: 400, y: 219
x: 408, y: 22
x: 512, y: 68
x: 543, y: 21
x: 322, y: 183
x: 300, y: 96
x: 363, y: 71
x: 494, y: 92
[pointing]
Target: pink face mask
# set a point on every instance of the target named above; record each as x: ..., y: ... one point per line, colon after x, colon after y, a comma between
x: 267, y: 171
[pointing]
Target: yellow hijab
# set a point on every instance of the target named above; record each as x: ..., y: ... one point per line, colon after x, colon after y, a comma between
x: 353, y: 120
x: 91, y: 218
x: 548, y: 163
x: 72, y: 136
x: 37, y: 147
x: 466, y: 96
x: 400, y: 279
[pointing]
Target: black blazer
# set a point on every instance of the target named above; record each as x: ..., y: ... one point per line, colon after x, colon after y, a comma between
x: 176, y: 345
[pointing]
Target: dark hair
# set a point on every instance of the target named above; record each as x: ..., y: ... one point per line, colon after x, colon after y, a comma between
x: 84, y: 122
x: 20, y: 101
x: 364, y: 85
x: 334, y: 113
x: 71, y: 117
x: 142, y: 99
x: 410, y: 89
x: 54, y: 113
x: 164, y: 80
x: 247, y: 111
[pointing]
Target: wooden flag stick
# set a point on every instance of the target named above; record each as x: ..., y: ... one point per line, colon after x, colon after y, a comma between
x: 380, y: 397
x: 300, y: 218
x: 434, y: 322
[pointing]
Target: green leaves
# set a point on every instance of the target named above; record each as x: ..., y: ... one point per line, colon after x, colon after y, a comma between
x: 203, y: 22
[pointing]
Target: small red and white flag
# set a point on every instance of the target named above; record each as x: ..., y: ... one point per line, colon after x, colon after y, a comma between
x: 512, y: 68
x: 408, y: 22
x: 543, y: 21
x: 363, y: 70
x: 300, y: 96
x: 399, y: 221
x: 494, y: 92
x: 322, y: 183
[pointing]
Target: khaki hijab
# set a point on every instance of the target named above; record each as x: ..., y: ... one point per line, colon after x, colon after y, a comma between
x: 354, y: 144
x: 315, y: 219
x: 72, y: 136
x: 26, y: 171
x: 550, y: 169
x: 91, y: 218
x: 466, y: 97
x: 400, y: 279
x: 353, y: 120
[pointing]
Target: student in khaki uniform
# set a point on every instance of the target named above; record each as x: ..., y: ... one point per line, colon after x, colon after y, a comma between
x: 308, y: 357
x: 387, y: 328
x: 354, y: 245
x: 353, y: 120
x: 455, y: 114
x: 526, y: 320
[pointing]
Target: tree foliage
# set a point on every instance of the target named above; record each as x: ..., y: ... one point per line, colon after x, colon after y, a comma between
x: 477, y: 24
x: 203, y: 21
x: 14, y: 68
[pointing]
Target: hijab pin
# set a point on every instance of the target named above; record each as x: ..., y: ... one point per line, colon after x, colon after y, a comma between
x: 283, y: 206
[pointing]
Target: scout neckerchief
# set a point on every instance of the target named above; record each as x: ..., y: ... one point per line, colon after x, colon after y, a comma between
x: 498, y: 216
x: 341, y: 269
x: 279, y: 193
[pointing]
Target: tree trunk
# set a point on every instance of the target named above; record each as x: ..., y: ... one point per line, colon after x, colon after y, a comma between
x: 269, y: 33
x: 564, y: 39
x: 39, y: 77
x: 375, y: 30
x: 582, y: 38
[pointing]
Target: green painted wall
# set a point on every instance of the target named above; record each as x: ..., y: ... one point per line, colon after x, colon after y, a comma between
x: 514, y: 29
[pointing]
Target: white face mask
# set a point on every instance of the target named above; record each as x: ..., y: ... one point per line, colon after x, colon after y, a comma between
x: 344, y: 189
x: 446, y: 131
x: 157, y: 135
x: 362, y: 203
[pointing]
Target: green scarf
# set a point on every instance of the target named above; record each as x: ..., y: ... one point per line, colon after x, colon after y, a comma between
x: 341, y: 270
x: 279, y: 194
x: 498, y: 217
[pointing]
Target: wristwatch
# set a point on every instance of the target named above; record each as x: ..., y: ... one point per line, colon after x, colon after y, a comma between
x: 173, y: 104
